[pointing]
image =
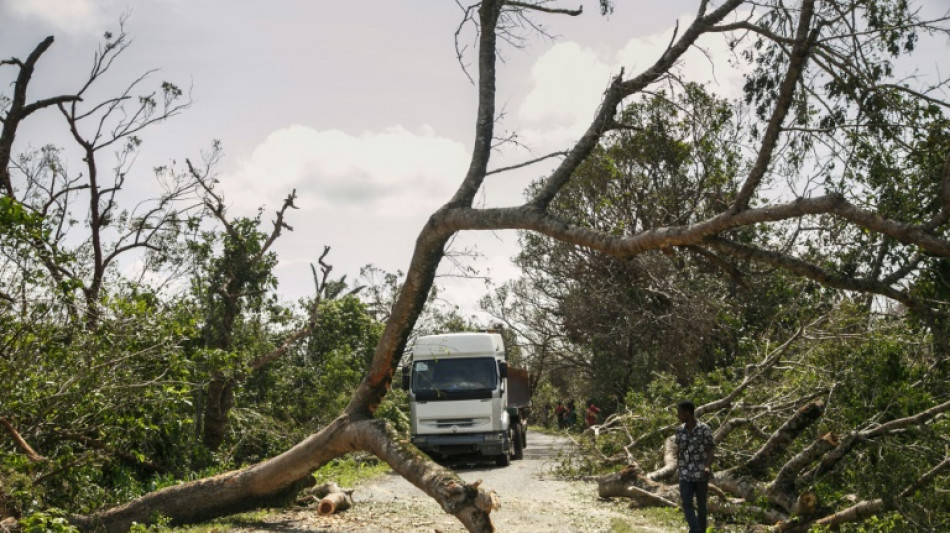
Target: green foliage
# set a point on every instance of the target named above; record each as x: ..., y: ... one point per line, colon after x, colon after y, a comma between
x: 114, y: 409
x: 395, y: 410
x: 888, y: 523
x: 315, y: 382
x: 350, y: 470
x: 630, y: 319
x: 49, y: 521
x: 868, y: 369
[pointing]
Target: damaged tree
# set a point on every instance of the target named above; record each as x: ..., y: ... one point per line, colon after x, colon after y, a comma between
x: 740, y: 490
x: 819, y: 96
x: 776, y: 475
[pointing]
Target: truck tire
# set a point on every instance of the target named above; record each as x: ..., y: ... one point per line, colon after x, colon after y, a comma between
x: 505, y: 458
x: 518, y: 442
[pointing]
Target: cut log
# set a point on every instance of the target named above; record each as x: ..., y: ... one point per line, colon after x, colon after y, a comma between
x: 315, y: 494
x: 335, y: 502
x: 329, y: 497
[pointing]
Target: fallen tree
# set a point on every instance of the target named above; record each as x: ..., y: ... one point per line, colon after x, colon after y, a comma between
x: 802, y: 55
x: 776, y: 482
x: 792, y: 506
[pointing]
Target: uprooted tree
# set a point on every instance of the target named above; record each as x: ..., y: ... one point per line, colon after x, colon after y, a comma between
x: 844, y: 179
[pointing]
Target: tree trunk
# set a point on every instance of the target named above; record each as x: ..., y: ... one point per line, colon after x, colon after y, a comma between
x: 276, y: 481
x: 218, y: 402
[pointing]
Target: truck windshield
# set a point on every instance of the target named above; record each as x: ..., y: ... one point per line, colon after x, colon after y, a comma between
x: 454, y: 379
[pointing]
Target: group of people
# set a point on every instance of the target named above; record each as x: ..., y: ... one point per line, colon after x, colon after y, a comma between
x: 566, y: 414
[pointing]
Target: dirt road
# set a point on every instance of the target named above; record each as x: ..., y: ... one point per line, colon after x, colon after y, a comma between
x: 532, y: 500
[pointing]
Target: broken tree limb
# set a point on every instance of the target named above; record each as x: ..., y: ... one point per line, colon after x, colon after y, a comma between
x: 277, y: 480
x: 853, y: 439
x: 728, y: 427
x: 868, y: 508
x: 632, y: 483
x: 639, y: 497
x: 338, y: 500
x: 779, y: 441
x: 783, y: 489
x: 742, y: 511
x: 750, y: 374
x: 28, y: 450
x: 669, y: 461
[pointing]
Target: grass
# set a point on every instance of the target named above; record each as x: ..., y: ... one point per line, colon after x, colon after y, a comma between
x: 219, y: 525
x: 351, y: 470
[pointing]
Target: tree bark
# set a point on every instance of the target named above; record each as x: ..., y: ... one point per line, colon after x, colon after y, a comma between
x: 277, y: 481
x: 669, y: 461
x: 218, y: 402
x: 779, y: 441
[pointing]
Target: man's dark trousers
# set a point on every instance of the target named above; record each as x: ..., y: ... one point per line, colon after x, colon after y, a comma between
x: 695, y: 514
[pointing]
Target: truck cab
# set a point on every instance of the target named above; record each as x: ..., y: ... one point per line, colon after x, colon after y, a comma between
x: 460, y: 397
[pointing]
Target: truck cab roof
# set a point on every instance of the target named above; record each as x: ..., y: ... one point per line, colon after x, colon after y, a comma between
x: 459, y: 345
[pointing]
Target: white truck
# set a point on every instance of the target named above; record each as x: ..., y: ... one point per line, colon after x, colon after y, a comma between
x: 464, y: 399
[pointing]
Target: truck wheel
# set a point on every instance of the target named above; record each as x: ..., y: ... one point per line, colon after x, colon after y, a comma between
x: 518, y: 442
x: 505, y: 458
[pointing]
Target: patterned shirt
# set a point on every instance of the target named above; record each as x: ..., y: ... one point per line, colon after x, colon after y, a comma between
x: 691, y: 450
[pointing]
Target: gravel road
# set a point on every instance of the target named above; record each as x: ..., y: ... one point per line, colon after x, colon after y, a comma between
x: 532, y: 500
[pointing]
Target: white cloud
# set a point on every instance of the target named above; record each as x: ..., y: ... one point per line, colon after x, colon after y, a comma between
x: 566, y: 79
x: 70, y: 16
x: 384, y: 172
x: 569, y: 80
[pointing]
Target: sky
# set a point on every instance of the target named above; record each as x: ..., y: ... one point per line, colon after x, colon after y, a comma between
x: 362, y: 107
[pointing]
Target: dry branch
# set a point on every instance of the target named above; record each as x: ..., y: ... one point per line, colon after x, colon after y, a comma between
x: 21, y: 443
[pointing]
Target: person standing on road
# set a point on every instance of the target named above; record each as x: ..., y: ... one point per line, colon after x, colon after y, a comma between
x: 590, y: 417
x: 559, y: 413
x: 570, y: 419
x: 695, y: 451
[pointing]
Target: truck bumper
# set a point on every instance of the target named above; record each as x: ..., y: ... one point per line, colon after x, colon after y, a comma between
x: 487, y: 444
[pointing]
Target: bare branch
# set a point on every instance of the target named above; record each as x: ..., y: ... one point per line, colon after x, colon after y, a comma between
x: 526, y: 163
x: 545, y: 9
x: 804, y: 39
x: 20, y: 442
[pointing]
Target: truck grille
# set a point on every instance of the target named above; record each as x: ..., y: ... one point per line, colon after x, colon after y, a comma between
x: 458, y: 423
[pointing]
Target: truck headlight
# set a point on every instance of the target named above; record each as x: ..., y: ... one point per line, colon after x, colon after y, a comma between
x: 494, y: 437
x: 419, y: 440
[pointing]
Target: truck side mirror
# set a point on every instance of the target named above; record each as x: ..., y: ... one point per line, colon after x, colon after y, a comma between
x: 405, y: 377
x: 503, y: 369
